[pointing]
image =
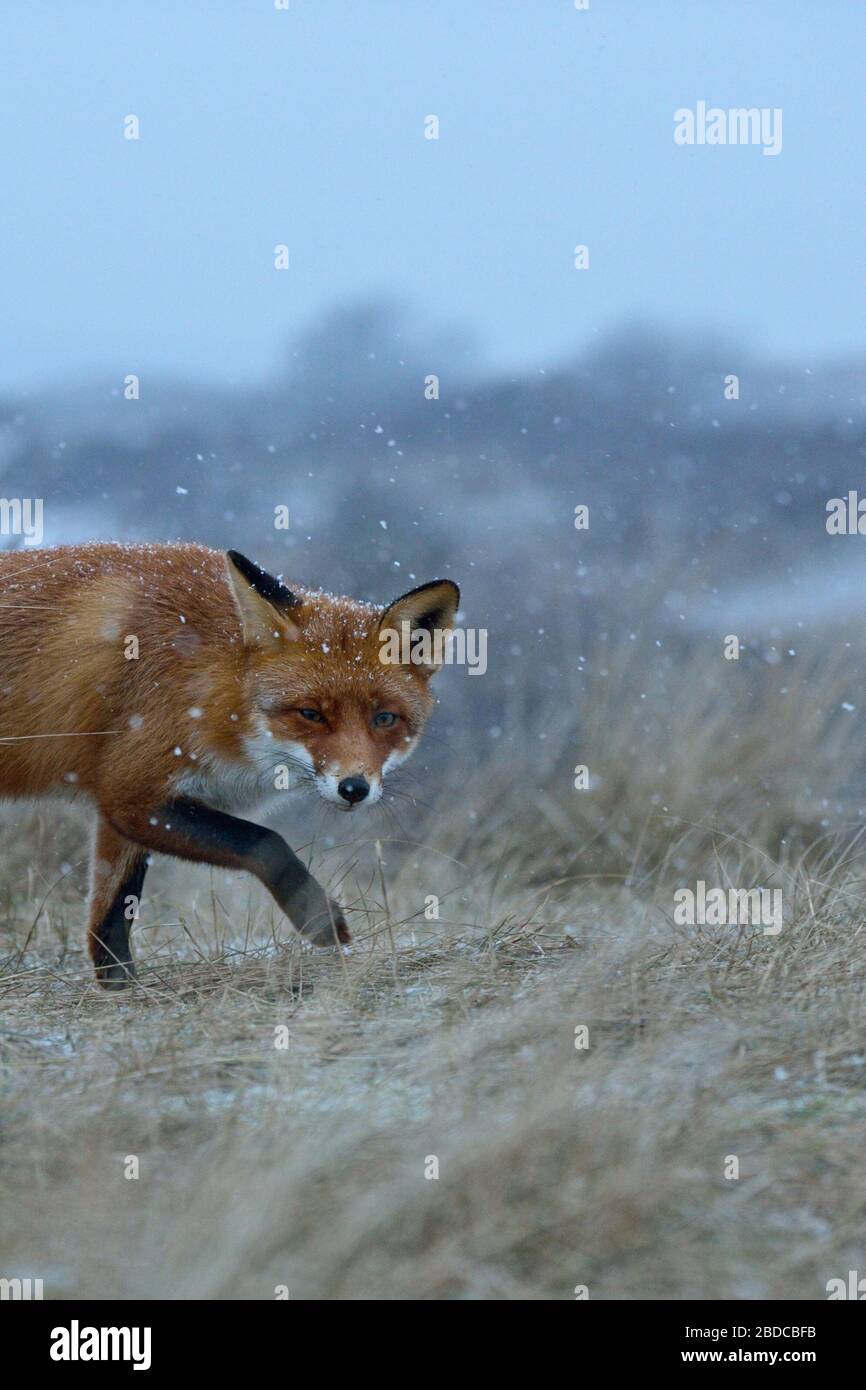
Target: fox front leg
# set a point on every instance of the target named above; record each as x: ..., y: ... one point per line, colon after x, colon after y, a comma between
x: 190, y: 830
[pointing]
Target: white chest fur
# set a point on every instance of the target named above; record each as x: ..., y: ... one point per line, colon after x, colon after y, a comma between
x: 266, y: 771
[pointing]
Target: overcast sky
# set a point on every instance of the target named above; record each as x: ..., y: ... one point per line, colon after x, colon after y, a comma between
x: 306, y: 127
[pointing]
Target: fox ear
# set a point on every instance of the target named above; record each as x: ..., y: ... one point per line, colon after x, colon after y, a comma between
x: 430, y: 608
x: 264, y: 602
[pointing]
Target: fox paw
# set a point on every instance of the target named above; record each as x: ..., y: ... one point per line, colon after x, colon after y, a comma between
x: 116, y: 975
x: 318, y: 918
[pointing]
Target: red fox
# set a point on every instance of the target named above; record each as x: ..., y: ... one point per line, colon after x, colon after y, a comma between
x: 171, y: 687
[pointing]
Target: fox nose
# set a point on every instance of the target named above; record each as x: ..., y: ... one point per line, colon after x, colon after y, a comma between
x: 353, y: 789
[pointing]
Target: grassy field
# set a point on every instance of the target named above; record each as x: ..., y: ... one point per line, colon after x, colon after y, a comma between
x: 307, y: 1166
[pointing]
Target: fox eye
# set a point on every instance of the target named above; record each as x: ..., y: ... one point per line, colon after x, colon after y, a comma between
x: 384, y: 719
x: 311, y: 714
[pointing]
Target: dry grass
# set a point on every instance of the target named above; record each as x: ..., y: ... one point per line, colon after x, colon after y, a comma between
x: 305, y: 1167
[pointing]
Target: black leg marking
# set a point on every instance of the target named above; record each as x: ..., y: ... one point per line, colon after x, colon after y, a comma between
x: 110, y: 944
x: 195, y: 831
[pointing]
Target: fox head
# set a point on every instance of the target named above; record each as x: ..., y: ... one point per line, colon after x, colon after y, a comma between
x: 339, y: 689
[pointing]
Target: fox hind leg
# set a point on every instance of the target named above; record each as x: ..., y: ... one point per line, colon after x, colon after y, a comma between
x: 117, y: 874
